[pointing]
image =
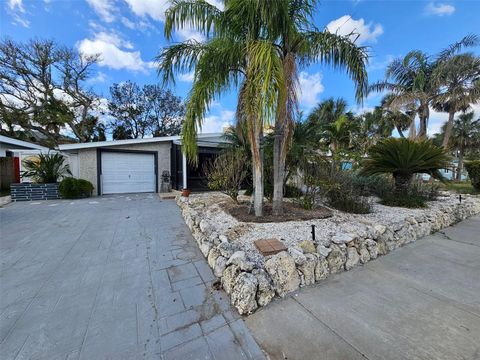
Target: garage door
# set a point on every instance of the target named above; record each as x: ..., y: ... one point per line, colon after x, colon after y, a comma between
x: 127, y: 173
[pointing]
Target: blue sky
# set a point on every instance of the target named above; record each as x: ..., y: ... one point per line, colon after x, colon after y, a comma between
x: 129, y: 33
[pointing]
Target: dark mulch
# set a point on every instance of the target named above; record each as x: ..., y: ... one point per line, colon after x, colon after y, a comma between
x: 292, y: 212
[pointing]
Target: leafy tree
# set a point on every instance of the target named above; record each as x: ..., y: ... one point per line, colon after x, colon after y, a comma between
x: 127, y: 106
x: 46, y: 84
x: 121, y: 133
x: 165, y: 111
x: 139, y: 112
x: 458, y: 79
x: 403, y: 158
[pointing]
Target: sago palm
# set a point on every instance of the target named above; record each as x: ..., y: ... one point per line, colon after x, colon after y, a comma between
x: 403, y: 158
x: 46, y: 168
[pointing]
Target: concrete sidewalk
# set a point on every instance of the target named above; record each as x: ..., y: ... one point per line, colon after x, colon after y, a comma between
x: 419, y: 302
x: 116, y: 277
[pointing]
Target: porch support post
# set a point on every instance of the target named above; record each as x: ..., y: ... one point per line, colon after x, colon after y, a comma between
x: 184, y: 171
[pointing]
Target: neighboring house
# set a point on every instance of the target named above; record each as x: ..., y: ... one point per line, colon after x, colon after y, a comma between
x: 136, y: 165
x: 12, y: 151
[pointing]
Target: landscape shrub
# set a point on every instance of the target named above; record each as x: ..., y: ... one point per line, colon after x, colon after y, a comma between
x: 416, y: 196
x: 473, y: 169
x: 227, y: 173
x: 71, y: 188
x: 337, y: 187
x: 46, y: 168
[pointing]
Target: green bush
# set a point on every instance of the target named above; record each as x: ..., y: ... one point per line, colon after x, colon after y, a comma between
x: 410, y: 201
x: 473, y: 169
x: 71, y: 188
x: 46, y: 168
x: 345, y: 199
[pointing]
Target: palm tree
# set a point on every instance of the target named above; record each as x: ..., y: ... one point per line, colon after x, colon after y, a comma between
x: 410, y: 81
x: 465, y: 137
x: 298, y: 42
x: 333, y: 124
x: 459, y: 81
x: 403, y: 158
x: 235, y: 54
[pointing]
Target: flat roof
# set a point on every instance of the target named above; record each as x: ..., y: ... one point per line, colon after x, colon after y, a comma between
x: 21, y: 143
x: 215, y: 137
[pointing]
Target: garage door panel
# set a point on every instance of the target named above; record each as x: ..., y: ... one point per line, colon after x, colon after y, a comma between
x: 127, y: 173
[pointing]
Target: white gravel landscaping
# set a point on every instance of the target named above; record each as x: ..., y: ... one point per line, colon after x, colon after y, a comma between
x: 341, y: 242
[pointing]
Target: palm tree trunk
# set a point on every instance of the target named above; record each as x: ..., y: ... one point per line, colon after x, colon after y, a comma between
x: 278, y: 174
x: 422, y: 131
x: 257, y: 168
x: 402, y: 183
x: 412, y: 131
x: 448, y: 129
x: 460, y: 164
x: 399, y: 130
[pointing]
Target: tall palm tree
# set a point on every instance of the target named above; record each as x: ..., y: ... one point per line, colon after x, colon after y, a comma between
x: 410, y: 81
x: 235, y: 54
x: 465, y: 137
x: 458, y: 79
x: 299, y: 43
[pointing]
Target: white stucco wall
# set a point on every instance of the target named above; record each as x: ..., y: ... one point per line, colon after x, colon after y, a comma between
x: 87, y: 159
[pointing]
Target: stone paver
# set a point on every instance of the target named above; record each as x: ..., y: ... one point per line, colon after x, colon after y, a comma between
x: 117, y: 277
x: 419, y: 302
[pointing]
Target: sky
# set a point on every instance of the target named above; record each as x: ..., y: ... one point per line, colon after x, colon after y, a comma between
x: 128, y: 34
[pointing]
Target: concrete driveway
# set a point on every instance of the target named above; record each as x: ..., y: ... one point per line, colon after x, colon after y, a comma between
x: 117, y: 277
x: 420, y: 302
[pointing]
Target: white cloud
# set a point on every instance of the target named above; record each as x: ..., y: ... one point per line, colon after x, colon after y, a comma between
x: 310, y: 87
x: 114, y: 52
x: 217, y: 123
x: 153, y: 8
x: 358, y: 29
x: 104, y: 8
x: 18, y: 12
x: 439, y: 9
x: 16, y: 5
x: 190, y: 34
x: 186, y: 77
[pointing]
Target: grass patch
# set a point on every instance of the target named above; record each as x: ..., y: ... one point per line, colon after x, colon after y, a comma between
x: 460, y: 187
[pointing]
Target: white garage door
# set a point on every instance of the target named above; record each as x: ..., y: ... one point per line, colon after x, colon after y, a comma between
x: 127, y: 173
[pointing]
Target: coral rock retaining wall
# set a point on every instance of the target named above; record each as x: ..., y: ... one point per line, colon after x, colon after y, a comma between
x: 253, y: 281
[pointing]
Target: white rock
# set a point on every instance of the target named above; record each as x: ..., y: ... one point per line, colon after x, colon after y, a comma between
x: 265, y: 292
x: 321, y: 270
x: 380, y: 229
x: 372, y: 248
x: 229, y: 277
x: 244, y: 293
x: 227, y: 249
x: 220, y: 265
x: 323, y: 251
x: 223, y: 238
x: 307, y: 268
x: 282, y: 270
x: 336, y: 259
x: 364, y: 254
x: 297, y: 255
x: 342, y: 238
x: 240, y: 259
x: 352, y: 258
x: 212, y: 257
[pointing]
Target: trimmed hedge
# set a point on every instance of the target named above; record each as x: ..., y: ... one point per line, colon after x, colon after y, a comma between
x: 473, y: 169
x: 71, y: 188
